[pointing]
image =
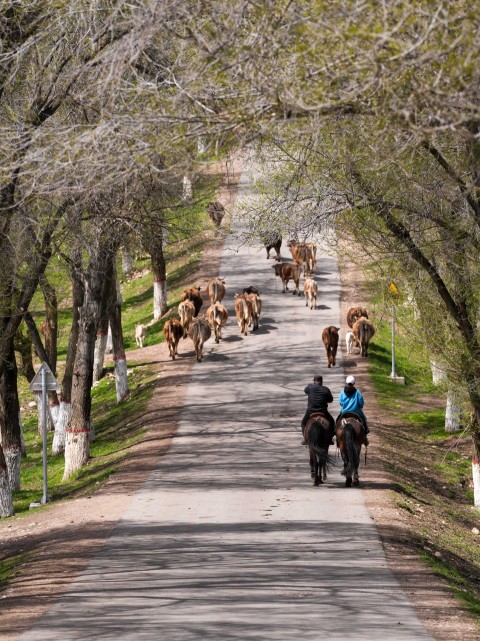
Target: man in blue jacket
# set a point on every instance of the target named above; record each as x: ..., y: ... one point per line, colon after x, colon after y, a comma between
x: 351, y: 400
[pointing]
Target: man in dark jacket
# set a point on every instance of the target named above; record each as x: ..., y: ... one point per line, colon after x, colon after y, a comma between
x: 319, y: 396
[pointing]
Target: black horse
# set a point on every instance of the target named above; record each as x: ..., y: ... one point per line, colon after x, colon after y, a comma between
x: 350, y: 435
x: 317, y: 437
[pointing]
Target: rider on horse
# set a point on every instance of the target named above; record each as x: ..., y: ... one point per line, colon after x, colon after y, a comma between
x: 319, y: 396
x: 351, y: 401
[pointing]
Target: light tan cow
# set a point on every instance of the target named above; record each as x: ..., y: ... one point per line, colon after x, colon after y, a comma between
x: 310, y: 289
x: 256, y: 303
x: 244, y: 312
x: 186, y: 311
x: 363, y: 330
x: 304, y: 254
x: 216, y: 290
x: 217, y: 317
x: 199, y: 332
x: 140, y: 334
x: 173, y: 332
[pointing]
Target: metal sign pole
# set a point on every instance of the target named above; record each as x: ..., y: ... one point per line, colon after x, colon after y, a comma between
x: 393, y: 373
x: 44, y: 432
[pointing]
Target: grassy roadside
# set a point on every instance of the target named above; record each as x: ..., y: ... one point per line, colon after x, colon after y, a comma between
x: 431, y: 468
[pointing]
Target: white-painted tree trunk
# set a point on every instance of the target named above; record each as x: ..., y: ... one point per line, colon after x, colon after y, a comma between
x: 438, y: 372
x: 99, y: 356
x: 6, y: 502
x: 13, y: 456
x: 159, y: 299
x: 127, y: 262
x: 476, y: 483
x: 77, y: 450
x: 452, y: 414
x: 187, y: 188
x: 121, y: 381
x: 109, y: 345
x: 201, y: 145
x: 58, y: 445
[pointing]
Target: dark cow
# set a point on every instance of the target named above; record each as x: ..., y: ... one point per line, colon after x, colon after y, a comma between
x: 287, y: 272
x: 251, y: 289
x: 173, y: 331
x: 216, y: 211
x: 363, y: 330
x: 330, y: 340
x: 354, y: 313
x: 193, y: 294
x: 274, y: 241
x: 199, y: 332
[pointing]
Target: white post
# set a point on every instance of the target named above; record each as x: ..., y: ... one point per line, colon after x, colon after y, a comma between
x: 393, y: 373
x: 44, y: 413
x: 476, y: 483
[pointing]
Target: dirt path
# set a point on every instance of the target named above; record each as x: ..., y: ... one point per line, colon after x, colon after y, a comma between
x: 60, y: 540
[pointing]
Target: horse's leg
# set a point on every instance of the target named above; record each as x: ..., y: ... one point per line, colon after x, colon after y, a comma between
x: 312, y: 464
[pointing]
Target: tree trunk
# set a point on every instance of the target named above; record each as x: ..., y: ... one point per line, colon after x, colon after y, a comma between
x: 452, y: 414
x: 6, y: 503
x: 159, y: 279
x: 51, y: 323
x: 119, y: 358
x: 127, y: 262
x: 187, y: 191
x: 9, y: 420
x: 438, y: 372
x: 100, y: 348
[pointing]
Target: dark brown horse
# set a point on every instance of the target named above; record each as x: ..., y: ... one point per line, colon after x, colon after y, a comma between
x: 317, y: 437
x: 350, y: 435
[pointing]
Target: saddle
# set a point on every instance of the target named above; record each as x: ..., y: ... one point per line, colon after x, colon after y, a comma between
x: 353, y: 415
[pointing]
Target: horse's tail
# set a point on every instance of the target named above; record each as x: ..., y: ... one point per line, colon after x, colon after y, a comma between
x: 317, y: 439
x: 352, y: 452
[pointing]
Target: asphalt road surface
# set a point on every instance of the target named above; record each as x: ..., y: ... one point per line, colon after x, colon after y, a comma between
x: 228, y: 540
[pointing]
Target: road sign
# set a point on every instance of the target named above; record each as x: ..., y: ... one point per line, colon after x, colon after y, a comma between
x: 392, y: 288
x: 51, y: 383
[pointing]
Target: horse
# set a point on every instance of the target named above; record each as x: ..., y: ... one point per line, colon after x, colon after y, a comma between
x: 317, y: 437
x: 350, y: 434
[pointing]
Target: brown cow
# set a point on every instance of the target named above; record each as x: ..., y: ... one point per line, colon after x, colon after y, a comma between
x: 216, y: 211
x: 272, y: 241
x: 363, y: 330
x: 287, y: 272
x: 199, y: 332
x: 216, y: 290
x: 251, y: 289
x: 186, y: 311
x: 304, y: 254
x: 330, y: 340
x: 256, y: 303
x: 354, y: 313
x: 173, y: 331
x: 244, y: 312
x: 310, y: 290
x: 193, y: 294
x: 217, y: 317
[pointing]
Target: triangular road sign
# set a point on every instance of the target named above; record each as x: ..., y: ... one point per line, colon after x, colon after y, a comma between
x: 50, y: 381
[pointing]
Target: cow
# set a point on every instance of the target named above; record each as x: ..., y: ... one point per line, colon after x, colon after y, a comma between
x: 244, y: 312
x: 304, y: 254
x: 350, y: 342
x: 217, y: 317
x: 256, y: 303
x: 199, y: 332
x: 173, y: 332
x: 43, y: 327
x: 354, y: 313
x: 287, y: 272
x: 186, y: 311
x: 216, y: 290
x: 193, y: 294
x: 330, y: 340
x: 363, y: 330
x: 310, y: 290
x: 140, y: 334
x: 251, y: 289
x: 272, y: 241
x: 216, y: 211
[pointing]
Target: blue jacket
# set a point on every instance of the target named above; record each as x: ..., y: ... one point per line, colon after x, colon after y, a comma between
x: 351, y: 400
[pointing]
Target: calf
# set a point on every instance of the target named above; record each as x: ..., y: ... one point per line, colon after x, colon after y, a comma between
x: 216, y: 290
x: 350, y: 342
x: 310, y: 289
x: 217, y: 317
x: 330, y: 340
x: 287, y: 272
x: 199, y: 332
x: 216, y: 211
x: 140, y: 334
x: 256, y: 303
x: 186, y: 311
x: 173, y: 332
x: 193, y: 294
x: 244, y: 312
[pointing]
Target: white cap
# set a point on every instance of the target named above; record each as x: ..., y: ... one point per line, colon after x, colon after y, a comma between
x: 350, y: 380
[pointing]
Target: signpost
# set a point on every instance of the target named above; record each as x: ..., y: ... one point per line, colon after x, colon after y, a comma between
x: 393, y: 290
x: 44, y: 381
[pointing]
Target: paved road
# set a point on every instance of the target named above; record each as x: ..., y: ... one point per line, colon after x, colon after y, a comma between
x: 228, y: 540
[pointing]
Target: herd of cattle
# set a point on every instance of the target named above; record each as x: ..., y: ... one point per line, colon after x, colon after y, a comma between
x: 248, y: 307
